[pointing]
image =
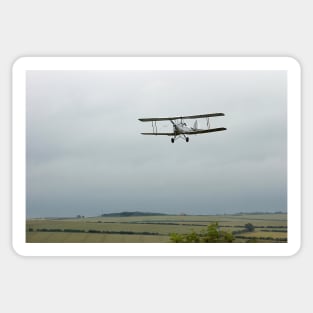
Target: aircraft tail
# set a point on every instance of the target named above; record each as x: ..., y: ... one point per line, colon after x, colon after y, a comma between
x: 195, y: 125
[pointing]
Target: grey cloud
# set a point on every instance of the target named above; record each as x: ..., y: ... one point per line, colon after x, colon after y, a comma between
x: 85, y: 153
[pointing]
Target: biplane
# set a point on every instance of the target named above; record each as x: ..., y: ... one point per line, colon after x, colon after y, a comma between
x: 180, y: 127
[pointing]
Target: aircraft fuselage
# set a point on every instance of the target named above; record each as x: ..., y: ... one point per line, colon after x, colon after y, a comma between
x: 182, y: 128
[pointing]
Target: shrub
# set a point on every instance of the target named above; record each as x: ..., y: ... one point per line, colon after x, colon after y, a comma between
x: 209, y: 234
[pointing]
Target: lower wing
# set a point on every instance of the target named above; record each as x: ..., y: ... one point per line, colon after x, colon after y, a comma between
x: 195, y: 132
x: 203, y: 131
x: 158, y: 134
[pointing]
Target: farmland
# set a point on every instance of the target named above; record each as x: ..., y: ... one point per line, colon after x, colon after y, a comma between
x: 154, y: 228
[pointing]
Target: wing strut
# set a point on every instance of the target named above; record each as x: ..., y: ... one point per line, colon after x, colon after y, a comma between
x: 154, y: 127
x: 208, y: 122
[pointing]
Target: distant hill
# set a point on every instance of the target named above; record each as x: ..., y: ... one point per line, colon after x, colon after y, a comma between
x: 127, y: 214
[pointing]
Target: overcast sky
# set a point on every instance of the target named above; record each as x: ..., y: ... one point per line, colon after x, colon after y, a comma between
x: 85, y: 153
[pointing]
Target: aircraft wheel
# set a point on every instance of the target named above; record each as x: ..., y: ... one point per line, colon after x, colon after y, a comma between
x: 187, y: 139
x: 172, y: 140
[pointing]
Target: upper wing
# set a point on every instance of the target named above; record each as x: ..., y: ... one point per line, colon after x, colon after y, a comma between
x: 158, y: 119
x: 203, y: 115
x: 157, y: 134
x: 179, y: 117
x: 203, y: 131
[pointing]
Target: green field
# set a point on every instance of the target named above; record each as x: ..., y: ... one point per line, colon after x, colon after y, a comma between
x: 152, y: 229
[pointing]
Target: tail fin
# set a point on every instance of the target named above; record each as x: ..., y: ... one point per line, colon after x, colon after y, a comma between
x: 195, y: 125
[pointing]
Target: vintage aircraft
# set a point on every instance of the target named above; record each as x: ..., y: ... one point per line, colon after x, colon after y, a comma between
x: 180, y: 128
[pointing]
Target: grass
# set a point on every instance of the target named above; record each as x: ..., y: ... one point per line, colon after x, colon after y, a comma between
x: 52, y: 237
x: 152, y: 228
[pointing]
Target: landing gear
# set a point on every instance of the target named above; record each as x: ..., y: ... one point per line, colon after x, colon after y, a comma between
x: 180, y: 136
